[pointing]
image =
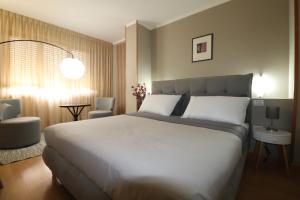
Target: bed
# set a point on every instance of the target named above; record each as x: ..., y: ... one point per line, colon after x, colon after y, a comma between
x: 148, y: 156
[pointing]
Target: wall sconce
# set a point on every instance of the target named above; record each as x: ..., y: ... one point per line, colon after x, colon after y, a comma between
x: 262, y: 84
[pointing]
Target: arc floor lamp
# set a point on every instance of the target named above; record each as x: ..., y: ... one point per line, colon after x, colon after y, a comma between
x: 71, y: 68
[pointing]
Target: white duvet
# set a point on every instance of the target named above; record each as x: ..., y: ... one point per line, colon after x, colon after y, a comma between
x: 138, y: 158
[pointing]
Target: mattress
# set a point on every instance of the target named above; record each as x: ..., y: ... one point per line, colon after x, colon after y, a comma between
x: 140, y: 156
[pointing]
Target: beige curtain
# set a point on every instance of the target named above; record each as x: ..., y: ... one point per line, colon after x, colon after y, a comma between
x: 30, y: 71
x: 121, y: 78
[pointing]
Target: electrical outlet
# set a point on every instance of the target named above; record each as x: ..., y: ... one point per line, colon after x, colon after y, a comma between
x: 258, y: 102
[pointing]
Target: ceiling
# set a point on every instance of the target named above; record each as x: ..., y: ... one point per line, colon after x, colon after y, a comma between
x: 105, y: 19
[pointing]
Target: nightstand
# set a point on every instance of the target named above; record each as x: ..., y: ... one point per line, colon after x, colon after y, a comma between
x: 280, y: 138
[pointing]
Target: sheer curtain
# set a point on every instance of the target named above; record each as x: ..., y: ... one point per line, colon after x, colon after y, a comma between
x: 30, y: 71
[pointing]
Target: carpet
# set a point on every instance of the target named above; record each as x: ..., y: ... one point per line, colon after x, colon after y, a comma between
x: 13, y: 155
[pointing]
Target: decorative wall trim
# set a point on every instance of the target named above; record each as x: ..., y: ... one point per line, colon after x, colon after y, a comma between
x: 119, y: 41
x: 131, y: 23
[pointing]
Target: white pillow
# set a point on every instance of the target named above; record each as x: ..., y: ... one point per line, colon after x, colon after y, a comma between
x: 159, y: 104
x: 218, y: 108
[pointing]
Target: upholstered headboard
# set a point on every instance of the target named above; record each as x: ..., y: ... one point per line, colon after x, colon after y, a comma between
x: 234, y: 85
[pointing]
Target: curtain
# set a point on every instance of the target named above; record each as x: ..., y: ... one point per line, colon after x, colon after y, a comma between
x: 30, y: 71
x: 121, y: 78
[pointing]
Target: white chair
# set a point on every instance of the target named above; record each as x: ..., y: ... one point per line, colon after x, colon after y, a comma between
x: 104, y: 107
x: 15, y: 131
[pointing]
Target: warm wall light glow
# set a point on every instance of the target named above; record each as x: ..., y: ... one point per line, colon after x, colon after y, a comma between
x: 72, y: 68
x: 262, y: 84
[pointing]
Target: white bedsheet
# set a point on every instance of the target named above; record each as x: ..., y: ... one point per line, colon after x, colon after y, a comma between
x: 138, y: 158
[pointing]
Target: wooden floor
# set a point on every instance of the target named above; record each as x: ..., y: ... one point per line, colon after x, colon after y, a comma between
x: 31, y: 179
x: 269, y: 182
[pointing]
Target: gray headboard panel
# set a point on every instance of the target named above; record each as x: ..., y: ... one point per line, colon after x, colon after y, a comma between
x: 234, y: 85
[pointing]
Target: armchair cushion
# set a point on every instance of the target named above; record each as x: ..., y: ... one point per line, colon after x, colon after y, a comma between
x: 6, y: 111
x: 99, y: 114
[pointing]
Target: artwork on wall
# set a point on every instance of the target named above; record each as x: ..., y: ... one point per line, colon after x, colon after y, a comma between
x: 203, y: 48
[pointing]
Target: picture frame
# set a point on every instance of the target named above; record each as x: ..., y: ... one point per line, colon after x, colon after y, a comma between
x: 202, y: 48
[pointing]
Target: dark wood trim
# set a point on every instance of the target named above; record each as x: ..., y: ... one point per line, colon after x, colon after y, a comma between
x: 1, y: 185
x: 296, y: 75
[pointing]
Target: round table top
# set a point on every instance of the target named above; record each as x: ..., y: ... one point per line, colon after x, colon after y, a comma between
x: 74, y: 105
x: 273, y: 137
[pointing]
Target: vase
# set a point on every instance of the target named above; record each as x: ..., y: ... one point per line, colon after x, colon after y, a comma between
x: 139, y: 101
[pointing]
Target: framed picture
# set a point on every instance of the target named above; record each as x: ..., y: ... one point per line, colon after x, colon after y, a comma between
x: 203, y: 48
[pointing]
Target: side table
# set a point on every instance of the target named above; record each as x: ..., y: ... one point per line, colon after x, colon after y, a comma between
x: 75, y: 109
x: 280, y: 138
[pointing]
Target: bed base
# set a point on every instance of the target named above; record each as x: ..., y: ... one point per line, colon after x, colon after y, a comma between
x: 71, y: 178
x: 81, y: 187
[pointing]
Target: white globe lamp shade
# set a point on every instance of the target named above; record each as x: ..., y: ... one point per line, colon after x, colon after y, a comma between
x: 72, y: 68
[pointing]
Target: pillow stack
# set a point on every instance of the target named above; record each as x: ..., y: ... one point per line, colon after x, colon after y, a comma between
x: 218, y: 108
x: 214, y: 108
x: 159, y: 104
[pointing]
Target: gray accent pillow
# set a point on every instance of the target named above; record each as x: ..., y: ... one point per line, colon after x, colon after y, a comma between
x: 6, y: 111
x: 181, y: 105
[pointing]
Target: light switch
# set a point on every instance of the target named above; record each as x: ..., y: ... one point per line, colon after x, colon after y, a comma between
x: 258, y: 102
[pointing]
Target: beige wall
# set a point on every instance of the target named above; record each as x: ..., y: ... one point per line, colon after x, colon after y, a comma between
x: 249, y: 36
x: 120, y: 77
x: 131, y: 66
x: 144, y: 56
x: 138, y: 61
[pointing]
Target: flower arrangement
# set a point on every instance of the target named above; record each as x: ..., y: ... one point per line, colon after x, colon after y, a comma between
x: 139, y: 91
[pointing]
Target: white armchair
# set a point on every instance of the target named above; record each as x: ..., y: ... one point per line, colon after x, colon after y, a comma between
x: 15, y: 131
x: 104, y: 107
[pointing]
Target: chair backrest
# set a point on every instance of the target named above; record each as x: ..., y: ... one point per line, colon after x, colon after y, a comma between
x: 105, y: 103
x: 16, y: 103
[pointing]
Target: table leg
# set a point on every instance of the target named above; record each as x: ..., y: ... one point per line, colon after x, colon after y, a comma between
x: 75, y: 117
x: 280, y: 155
x: 286, y: 162
x: 256, y: 147
x: 73, y: 113
x: 267, y: 152
x: 75, y: 110
x: 79, y: 112
x: 261, y: 145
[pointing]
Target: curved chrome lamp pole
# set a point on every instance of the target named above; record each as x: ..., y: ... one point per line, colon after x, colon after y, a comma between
x: 38, y: 41
x: 71, y: 68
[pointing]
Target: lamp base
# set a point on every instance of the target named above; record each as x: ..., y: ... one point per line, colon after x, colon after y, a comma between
x: 271, y: 129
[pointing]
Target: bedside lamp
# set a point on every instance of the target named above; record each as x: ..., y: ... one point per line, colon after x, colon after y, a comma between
x: 272, y: 112
x: 262, y: 84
